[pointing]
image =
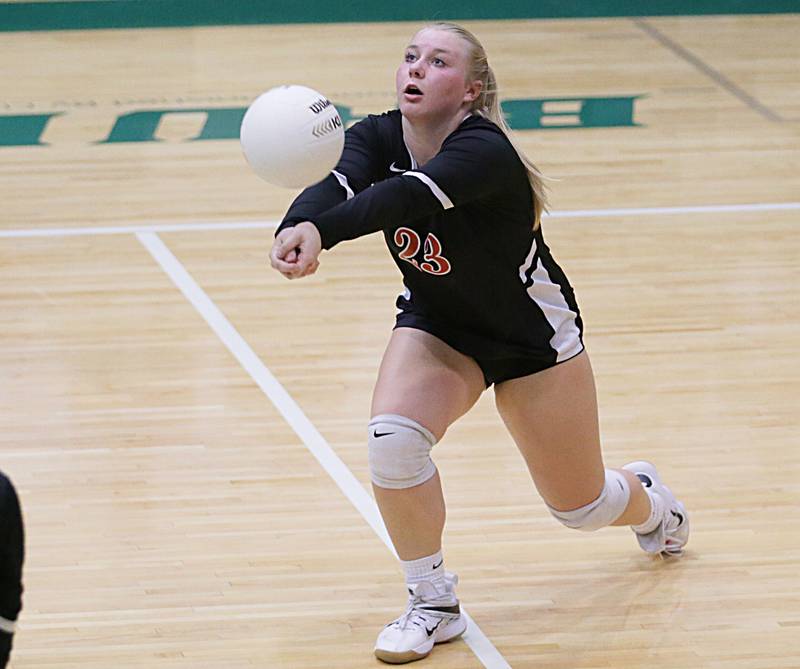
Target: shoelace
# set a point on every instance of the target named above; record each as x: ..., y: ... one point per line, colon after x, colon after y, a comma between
x: 413, y: 615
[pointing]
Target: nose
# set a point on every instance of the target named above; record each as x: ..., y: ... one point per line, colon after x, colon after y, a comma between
x: 415, y: 69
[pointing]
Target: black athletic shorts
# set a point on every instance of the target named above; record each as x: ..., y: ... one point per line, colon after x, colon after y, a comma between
x: 497, y: 364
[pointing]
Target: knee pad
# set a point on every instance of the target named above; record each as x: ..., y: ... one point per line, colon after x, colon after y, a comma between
x: 399, y: 452
x: 604, y: 510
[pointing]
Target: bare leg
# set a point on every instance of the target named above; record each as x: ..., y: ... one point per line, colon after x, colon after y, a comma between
x: 423, y: 379
x: 414, y: 517
x: 552, y: 417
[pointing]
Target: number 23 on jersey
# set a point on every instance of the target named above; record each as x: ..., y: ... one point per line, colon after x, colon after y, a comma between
x: 409, y: 243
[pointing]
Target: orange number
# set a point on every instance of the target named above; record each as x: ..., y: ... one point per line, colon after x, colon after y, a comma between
x: 436, y: 264
x: 409, y: 243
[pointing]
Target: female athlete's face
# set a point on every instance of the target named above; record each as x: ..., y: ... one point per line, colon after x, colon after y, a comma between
x: 432, y: 80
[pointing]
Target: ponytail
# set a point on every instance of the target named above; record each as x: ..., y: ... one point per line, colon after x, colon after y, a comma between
x: 491, y: 110
x: 487, y: 104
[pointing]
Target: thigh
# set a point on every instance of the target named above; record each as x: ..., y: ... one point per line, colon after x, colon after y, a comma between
x: 552, y: 416
x: 424, y: 379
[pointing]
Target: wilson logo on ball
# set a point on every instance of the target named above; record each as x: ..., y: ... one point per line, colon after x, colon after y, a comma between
x: 319, y: 105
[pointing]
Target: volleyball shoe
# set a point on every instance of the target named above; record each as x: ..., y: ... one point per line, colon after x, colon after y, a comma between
x: 431, y: 617
x: 671, y: 533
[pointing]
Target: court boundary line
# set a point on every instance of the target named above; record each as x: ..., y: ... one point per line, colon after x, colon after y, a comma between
x: 260, y: 225
x: 474, y: 637
x: 712, y: 73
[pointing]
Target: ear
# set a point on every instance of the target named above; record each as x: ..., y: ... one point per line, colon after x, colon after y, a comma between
x: 473, y: 90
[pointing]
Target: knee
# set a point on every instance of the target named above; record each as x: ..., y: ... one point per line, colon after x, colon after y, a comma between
x: 399, y: 452
x: 601, y: 512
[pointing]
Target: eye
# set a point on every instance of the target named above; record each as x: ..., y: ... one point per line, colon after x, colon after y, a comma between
x: 438, y: 62
x: 410, y: 57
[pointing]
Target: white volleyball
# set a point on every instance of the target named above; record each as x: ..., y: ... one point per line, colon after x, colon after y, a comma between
x: 292, y: 136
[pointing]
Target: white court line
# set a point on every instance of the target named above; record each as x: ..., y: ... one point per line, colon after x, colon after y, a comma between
x: 484, y: 650
x: 258, y: 225
x: 657, y: 211
x: 135, y: 229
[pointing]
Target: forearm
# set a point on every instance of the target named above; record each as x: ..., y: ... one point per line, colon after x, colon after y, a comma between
x: 384, y: 205
x: 313, y: 201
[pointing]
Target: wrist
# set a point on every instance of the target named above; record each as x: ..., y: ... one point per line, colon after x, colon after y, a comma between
x: 285, y: 225
x: 311, y: 227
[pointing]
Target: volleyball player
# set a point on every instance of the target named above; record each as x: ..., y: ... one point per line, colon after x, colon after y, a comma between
x: 11, y: 556
x: 484, y: 304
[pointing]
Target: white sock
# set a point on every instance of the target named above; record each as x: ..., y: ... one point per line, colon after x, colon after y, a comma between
x: 657, y: 511
x: 430, y: 569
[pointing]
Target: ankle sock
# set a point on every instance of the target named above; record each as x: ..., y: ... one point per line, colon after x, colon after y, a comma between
x: 657, y: 512
x: 430, y: 569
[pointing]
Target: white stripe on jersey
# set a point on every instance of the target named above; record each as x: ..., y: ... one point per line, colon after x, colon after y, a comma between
x: 342, y: 179
x: 430, y: 183
x: 406, y: 294
x: 8, y: 626
x: 566, y: 340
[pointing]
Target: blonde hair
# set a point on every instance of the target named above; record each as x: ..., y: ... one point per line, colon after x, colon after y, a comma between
x: 487, y: 104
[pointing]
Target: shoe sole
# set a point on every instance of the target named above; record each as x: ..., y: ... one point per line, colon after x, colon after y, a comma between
x: 418, y: 653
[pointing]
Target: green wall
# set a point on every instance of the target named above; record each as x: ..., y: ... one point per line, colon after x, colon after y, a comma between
x: 101, y: 14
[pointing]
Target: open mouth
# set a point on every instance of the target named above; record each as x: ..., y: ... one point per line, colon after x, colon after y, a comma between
x: 412, y: 89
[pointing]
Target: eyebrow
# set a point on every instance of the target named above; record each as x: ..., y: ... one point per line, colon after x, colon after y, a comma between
x: 414, y: 46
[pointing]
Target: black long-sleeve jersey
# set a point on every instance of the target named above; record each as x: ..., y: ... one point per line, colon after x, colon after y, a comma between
x: 460, y: 228
x: 12, y: 553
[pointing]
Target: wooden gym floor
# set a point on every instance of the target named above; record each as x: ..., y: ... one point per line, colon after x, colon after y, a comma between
x: 162, y: 390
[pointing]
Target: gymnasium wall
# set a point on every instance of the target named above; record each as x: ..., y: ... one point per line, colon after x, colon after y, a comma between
x: 102, y: 14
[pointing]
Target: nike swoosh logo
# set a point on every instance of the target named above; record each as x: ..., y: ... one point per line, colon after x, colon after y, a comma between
x: 434, y: 628
x: 678, y: 516
x: 393, y: 168
x: 647, y: 482
x: 378, y: 435
x: 436, y: 566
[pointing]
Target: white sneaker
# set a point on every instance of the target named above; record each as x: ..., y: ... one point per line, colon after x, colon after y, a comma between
x: 430, y: 618
x: 672, y: 534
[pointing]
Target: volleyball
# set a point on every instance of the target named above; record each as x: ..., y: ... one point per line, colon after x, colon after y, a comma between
x: 292, y: 136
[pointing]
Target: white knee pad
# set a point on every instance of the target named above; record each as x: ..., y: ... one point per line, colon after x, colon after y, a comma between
x: 604, y: 510
x: 399, y: 452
